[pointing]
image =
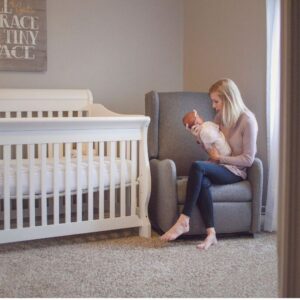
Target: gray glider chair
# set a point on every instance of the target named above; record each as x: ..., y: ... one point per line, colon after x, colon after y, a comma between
x: 237, y: 207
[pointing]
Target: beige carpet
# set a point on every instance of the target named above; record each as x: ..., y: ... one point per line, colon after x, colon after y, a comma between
x: 120, y: 264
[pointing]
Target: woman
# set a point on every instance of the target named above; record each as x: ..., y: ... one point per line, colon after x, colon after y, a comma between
x: 239, y: 126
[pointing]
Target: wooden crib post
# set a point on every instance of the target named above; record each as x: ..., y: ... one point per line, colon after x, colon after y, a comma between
x: 144, y: 187
x: 101, y: 180
x: 7, y: 206
x: 112, y: 180
x: 67, y: 183
x: 133, y: 176
x: 43, y: 159
x: 122, y: 185
x: 55, y: 183
x: 31, y: 186
x: 79, y: 191
x: 90, y: 182
x: 19, y: 187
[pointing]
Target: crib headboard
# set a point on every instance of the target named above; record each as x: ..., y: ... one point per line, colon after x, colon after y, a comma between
x: 44, y: 102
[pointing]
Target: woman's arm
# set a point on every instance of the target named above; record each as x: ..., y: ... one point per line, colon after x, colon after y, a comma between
x: 249, y: 136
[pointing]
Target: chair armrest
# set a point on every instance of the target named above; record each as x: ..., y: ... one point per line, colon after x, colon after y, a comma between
x: 163, y: 209
x: 255, y: 177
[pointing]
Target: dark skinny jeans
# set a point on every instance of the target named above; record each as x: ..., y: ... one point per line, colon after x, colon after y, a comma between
x: 202, y: 175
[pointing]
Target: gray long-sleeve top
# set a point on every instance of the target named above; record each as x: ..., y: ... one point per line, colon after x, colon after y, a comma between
x: 242, y: 140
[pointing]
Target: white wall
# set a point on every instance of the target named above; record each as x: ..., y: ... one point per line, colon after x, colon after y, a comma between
x: 120, y: 49
x: 227, y: 38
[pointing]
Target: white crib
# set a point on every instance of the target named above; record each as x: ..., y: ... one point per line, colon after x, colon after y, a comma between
x: 68, y: 166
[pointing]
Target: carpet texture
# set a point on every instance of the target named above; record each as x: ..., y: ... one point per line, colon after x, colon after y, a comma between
x: 121, y: 264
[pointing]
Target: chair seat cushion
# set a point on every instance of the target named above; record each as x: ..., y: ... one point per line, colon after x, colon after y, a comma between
x: 236, y: 192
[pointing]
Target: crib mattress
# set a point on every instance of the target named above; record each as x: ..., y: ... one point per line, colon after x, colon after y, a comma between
x: 116, y: 166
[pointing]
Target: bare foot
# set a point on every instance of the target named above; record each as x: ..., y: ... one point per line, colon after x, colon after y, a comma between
x: 180, y: 227
x: 209, y: 241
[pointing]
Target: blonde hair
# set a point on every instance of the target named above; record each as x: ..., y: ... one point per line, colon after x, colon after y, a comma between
x: 233, y: 104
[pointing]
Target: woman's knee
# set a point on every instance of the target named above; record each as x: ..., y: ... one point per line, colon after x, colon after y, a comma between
x: 198, y: 166
x: 206, y: 183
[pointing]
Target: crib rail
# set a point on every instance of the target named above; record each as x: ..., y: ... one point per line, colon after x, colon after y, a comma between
x: 72, y: 175
x: 47, y: 100
x: 44, y: 114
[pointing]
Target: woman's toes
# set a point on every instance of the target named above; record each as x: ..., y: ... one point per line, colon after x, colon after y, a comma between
x: 175, y: 231
x: 209, y: 241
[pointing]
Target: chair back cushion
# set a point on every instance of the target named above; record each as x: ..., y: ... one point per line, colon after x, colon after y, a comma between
x: 167, y: 136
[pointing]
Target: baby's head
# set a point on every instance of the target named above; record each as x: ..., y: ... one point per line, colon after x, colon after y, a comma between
x: 192, y: 118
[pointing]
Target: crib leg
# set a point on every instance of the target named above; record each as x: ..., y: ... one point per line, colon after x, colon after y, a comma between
x: 145, y: 230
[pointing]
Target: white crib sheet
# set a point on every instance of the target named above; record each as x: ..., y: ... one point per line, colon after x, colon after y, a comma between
x: 61, y: 175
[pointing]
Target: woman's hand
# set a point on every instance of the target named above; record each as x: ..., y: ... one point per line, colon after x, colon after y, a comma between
x: 195, y: 130
x: 214, y: 154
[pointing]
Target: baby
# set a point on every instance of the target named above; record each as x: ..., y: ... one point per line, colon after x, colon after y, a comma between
x: 209, y: 133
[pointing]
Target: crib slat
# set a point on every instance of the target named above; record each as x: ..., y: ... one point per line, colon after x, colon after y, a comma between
x: 50, y: 150
x: 40, y: 115
x: 90, y: 181
x: 108, y: 148
x: 61, y: 146
x: 67, y: 183
x: 96, y: 147
x: 7, y: 158
x: 43, y: 158
x: 79, y: 193
x: 112, y: 180
x: 133, y: 176
x: 31, y: 186
x: 19, y: 188
x: 50, y: 146
x: 61, y: 150
x: 55, y: 183
x: 128, y: 150
x: 101, y: 180
x: 122, y: 176
x: 39, y: 151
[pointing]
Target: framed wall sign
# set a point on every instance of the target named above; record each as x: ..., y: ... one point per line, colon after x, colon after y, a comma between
x: 23, y: 35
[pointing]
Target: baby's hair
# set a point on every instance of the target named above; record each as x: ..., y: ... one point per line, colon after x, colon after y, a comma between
x: 189, y: 119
